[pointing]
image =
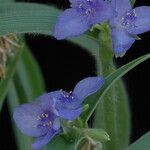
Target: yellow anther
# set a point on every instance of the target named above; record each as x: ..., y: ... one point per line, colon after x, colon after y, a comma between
x: 134, y: 12
x: 39, y: 118
x: 46, y: 115
x: 50, y: 122
x: 128, y: 13
x: 34, y: 126
x: 43, y: 115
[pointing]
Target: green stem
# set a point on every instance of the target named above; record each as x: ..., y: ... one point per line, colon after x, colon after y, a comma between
x: 112, y: 113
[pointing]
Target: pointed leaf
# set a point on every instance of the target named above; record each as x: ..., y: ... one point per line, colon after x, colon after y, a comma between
x: 26, y: 85
x: 12, y: 64
x: 109, y: 80
x: 142, y: 143
x: 36, y: 18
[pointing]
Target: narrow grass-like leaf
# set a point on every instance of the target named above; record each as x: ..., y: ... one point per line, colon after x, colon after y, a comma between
x: 26, y: 85
x: 27, y: 18
x: 142, y: 143
x: 36, y: 18
x: 109, y: 80
x: 23, y: 142
x: 28, y: 79
x: 112, y: 113
x: 4, y: 82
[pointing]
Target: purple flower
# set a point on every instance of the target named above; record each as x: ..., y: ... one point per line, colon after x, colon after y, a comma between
x: 41, y: 119
x: 127, y: 23
x: 81, y: 15
x: 38, y: 119
x: 69, y: 105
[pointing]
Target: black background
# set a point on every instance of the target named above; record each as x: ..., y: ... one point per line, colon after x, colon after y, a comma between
x: 63, y: 64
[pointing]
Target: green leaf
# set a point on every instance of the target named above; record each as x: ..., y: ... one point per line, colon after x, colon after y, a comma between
x: 27, y: 84
x: 109, y: 80
x: 115, y: 100
x: 112, y: 114
x: 36, y: 18
x: 97, y: 134
x: 59, y: 143
x: 27, y: 18
x: 23, y: 142
x: 136, y: 37
x: 108, y: 117
x: 141, y: 144
x: 80, y: 143
x: 132, y: 2
x: 6, y: 1
x: 28, y: 78
x: 4, y: 82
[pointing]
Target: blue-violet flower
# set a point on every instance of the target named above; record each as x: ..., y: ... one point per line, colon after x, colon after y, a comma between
x: 38, y: 119
x: 41, y: 119
x: 82, y: 14
x: 69, y: 105
x: 127, y: 23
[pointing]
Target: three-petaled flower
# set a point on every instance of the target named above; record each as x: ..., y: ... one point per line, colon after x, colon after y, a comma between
x: 82, y: 14
x: 69, y: 105
x: 127, y: 23
x: 41, y: 119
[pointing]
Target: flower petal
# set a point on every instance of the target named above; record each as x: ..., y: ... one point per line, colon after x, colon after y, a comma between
x: 56, y: 124
x: 73, y: 2
x: 70, y: 114
x: 142, y: 22
x: 122, y: 41
x: 121, y: 6
x: 70, y: 23
x: 47, y: 100
x: 26, y: 116
x: 43, y: 140
x: 87, y: 86
x: 103, y: 12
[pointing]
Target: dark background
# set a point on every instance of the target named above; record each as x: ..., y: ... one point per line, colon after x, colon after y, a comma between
x: 63, y: 64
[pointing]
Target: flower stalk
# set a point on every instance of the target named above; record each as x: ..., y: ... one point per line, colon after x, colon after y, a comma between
x: 115, y: 101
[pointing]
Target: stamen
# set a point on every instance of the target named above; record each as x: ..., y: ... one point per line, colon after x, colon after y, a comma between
x: 38, y: 117
x: 49, y: 123
x: 128, y: 14
x: 43, y: 115
x: 70, y: 92
x: 87, y: 7
x: 80, y: 6
x: 128, y: 19
x: 88, y: 11
x: 134, y: 12
x: 46, y: 115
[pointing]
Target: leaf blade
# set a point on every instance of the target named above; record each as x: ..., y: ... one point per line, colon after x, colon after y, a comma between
x: 36, y: 18
x: 110, y: 79
x: 4, y: 83
x: 142, y: 143
x: 30, y: 84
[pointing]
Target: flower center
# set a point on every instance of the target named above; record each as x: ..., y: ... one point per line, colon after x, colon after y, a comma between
x: 128, y: 19
x: 45, y: 120
x: 67, y: 95
x: 86, y: 7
